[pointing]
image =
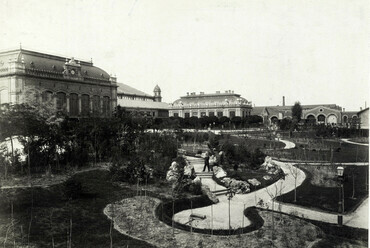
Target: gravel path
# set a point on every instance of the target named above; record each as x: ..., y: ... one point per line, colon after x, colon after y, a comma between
x: 217, y: 215
x: 354, y: 143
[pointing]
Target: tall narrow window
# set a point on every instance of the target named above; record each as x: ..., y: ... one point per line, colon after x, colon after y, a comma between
x: 106, y: 106
x: 4, y: 96
x: 96, y: 105
x: 61, y: 101
x: 85, y: 105
x: 73, y: 104
x: 47, y: 96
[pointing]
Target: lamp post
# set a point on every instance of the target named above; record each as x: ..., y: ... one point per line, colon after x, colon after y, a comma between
x: 230, y: 194
x: 340, y: 172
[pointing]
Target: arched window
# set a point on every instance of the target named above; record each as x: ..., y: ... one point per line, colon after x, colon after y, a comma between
x: 274, y: 119
x: 85, y: 105
x: 61, y: 101
x: 73, y: 104
x: 4, y: 96
x: 47, y: 96
x: 332, y: 119
x: 311, y: 119
x: 321, y: 118
x: 106, y: 106
x: 345, y: 119
x: 96, y: 105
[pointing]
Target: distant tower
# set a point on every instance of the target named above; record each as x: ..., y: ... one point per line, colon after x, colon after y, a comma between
x: 157, y: 94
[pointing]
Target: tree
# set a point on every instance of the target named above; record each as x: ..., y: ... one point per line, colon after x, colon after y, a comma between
x: 294, y: 171
x: 285, y: 124
x: 236, y: 120
x: 297, y: 111
x: 273, y: 191
x: 224, y: 120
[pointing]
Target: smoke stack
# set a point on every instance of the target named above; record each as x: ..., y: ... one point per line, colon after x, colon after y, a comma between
x: 365, y: 104
x: 283, y: 101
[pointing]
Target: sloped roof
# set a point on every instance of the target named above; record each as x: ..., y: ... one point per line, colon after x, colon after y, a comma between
x: 49, y: 62
x: 361, y: 111
x: 272, y: 111
x: 310, y: 106
x: 211, y: 99
x: 126, y: 103
x: 128, y: 90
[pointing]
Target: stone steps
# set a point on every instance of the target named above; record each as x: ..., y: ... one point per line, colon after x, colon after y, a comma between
x: 205, y: 174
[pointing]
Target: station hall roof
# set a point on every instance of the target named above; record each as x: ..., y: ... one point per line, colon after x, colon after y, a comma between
x: 219, y: 98
x: 124, y: 89
x: 127, y: 103
x: 49, y: 62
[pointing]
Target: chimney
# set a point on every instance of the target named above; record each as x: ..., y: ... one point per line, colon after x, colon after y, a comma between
x: 217, y: 92
x: 283, y: 101
x: 344, y: 109
x: 187, y: 93
x: 201, y: 93
x: 365, y: 104
x: 360, y: 108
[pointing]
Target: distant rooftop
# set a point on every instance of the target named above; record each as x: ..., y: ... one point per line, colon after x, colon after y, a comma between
x: 128, y: 90
x: 217, y: 93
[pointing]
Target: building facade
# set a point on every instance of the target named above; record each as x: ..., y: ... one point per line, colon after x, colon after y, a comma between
x: 329, y: 114
x: 133, y: 100
x: 76, y: 87
x: 363, y: 115
x: 218, y: 104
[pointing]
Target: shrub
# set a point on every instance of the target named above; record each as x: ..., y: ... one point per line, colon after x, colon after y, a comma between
x: 194, y: 188
x: 72, y: 189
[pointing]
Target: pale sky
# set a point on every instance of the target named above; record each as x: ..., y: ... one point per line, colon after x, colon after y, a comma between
x: 312, y: 51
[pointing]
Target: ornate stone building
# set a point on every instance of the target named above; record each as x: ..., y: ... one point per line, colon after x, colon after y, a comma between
x: 218, y: 104
x: 133, y: 100
x: 76, y: 87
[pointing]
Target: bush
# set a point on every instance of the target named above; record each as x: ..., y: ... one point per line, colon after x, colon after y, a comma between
x: 194, y: 188
x: 72, y: 189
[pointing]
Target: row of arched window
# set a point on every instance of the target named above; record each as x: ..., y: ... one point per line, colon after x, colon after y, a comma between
x: 89, y: 105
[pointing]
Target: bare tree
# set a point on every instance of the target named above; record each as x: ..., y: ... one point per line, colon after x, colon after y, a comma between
x: 273, y: 193
x: 294, y: 171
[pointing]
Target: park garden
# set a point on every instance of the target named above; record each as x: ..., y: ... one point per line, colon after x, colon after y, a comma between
x: 58, y: 174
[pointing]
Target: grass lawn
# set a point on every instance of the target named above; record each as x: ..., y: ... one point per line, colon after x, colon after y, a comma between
x: 51, y: 214
x: 320, y: 189
x: 342, y: 152
x: 253, y: 143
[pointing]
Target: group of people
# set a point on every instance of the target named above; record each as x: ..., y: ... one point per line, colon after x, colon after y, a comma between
x: 212, y: 160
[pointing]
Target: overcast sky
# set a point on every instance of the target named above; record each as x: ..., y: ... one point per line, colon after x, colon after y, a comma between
x: 312, y: 51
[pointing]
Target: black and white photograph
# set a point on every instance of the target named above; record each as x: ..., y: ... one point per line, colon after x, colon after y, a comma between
x: 184, y: 123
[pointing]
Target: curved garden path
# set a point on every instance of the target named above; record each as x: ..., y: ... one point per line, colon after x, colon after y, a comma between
x: 354, y: 143
x: 288, y: 144
x: 217, y: 215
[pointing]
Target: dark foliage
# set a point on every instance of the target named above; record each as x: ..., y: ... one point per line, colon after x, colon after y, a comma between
x: 72, y: 188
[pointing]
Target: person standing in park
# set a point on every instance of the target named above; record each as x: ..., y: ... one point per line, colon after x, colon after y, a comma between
x: 221, y: 157
x: 206, y: 162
